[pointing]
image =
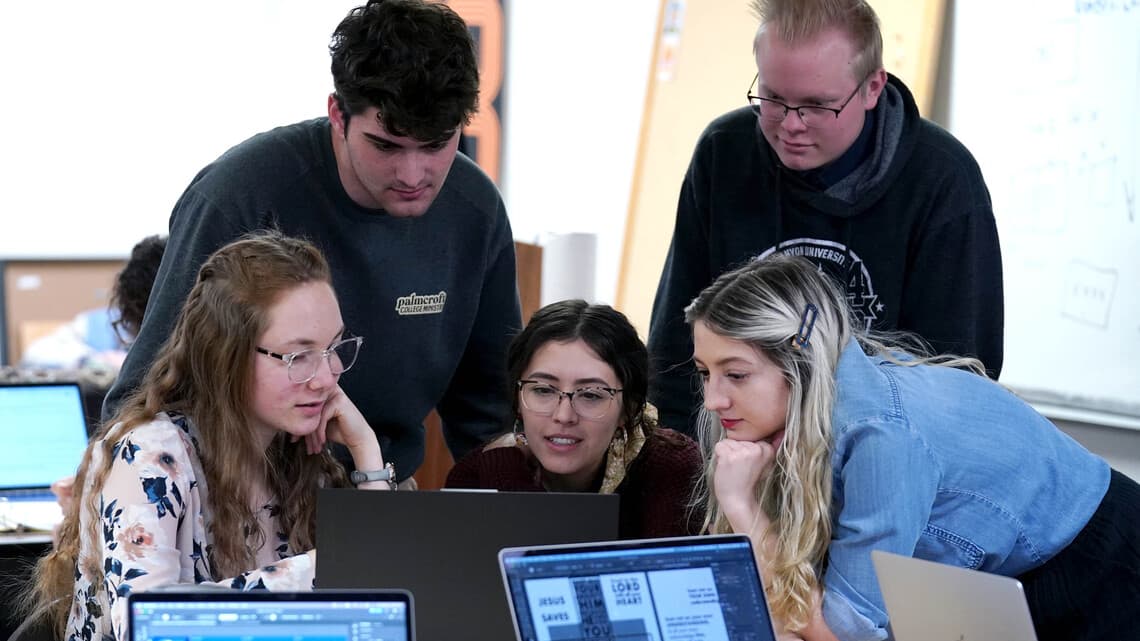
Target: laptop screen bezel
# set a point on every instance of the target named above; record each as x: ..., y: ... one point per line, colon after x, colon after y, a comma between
x: 216, y: 594
x: 634, y: 545
x: 71, y: 385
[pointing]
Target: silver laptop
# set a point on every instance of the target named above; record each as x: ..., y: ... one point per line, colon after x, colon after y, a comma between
x: 223, y: 614
x: 690, y: 588
x: 927, y: 600
x: 43, y: 433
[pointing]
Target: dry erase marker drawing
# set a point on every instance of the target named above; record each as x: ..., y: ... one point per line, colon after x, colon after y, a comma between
x: 1089, y: 291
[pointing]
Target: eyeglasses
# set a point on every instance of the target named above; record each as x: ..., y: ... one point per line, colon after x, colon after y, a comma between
x: 302, y: 366
x: 812, y: 116
x: 125, y: 336
x: 587, y: 402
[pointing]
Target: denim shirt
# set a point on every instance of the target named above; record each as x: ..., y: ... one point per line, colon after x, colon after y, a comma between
x: 948, y: 466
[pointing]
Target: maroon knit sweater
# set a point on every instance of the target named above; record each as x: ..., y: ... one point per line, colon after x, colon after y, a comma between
x: 655, y: 493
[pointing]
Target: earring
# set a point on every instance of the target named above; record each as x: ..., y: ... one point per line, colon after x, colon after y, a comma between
x: 520, y: 436
x: 619, y: 438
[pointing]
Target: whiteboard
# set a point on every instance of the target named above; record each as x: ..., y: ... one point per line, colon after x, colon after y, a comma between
x: 1050, y: 107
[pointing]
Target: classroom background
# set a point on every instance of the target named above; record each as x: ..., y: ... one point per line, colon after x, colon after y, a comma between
x: 591, y: 111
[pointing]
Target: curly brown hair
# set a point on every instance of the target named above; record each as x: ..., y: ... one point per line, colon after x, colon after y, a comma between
x: 204, y: 371
x: 412, y: 60
x: 133, y: 284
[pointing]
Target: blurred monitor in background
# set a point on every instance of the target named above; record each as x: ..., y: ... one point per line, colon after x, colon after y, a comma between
x: 99, y: 338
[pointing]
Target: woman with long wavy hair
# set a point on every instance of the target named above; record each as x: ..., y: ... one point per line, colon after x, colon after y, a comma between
x: 825, y: 442
x: 212, y: 466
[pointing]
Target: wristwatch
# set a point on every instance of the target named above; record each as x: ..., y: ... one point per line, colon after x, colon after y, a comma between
x: 387, y: 474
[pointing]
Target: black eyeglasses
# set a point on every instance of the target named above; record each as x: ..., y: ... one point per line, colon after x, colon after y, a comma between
x: 590, y: 402
x: 126, y: 337
x: 302, y: 366
x: 812, y: 116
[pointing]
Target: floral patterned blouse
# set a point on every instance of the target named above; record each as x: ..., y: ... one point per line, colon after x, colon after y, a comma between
x: 153, y: 514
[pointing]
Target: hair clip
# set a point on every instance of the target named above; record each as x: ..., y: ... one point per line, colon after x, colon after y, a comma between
x: 807, y: 324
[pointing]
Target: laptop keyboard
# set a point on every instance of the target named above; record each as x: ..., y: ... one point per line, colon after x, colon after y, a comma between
x: 34, y: 494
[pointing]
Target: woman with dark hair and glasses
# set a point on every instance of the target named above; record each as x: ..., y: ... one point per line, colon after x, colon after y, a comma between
x: 579, y: 376
x: 211, y: 467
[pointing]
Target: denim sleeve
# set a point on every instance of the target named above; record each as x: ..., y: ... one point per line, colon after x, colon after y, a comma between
x: 846, y: 619
x: 885, y: 484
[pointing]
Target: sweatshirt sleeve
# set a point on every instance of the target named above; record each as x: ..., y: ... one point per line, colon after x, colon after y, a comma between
x: 197, y: 229
x: 959, y: 310
x: 672, y: 384
x: 475, y: 404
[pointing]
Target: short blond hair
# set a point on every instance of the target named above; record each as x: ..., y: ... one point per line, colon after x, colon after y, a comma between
x: 799, y: 20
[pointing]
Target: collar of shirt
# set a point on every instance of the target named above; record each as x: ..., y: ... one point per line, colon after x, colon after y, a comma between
x: 838, y: 169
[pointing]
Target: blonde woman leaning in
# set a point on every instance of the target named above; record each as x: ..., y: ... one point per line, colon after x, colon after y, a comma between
x: 824, y: 444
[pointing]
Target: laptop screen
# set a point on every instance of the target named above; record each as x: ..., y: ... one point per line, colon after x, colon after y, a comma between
x: 694, y: 588
x: 225, y: 615
x: 42, y: 433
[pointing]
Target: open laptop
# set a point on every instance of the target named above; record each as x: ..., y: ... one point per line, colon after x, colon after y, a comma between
x: 223, y: 615
x: 927, y: 600
x: 444, y: 546
x: 690, y: 588
x: 43, y: 433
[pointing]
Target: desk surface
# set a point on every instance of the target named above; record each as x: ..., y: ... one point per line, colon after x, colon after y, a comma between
x: 24, y: 538
x: 29, y: 517
x: 18, y: 552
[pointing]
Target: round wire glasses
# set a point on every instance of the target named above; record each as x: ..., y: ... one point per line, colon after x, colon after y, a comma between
x: 588, y: 402
x: 302, y: 366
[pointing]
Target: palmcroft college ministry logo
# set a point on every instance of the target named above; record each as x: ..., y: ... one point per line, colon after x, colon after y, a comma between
x: 414, y: 304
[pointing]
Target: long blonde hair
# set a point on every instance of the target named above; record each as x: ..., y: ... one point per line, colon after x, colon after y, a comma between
x: 763, y: 305
x: 205, y: 371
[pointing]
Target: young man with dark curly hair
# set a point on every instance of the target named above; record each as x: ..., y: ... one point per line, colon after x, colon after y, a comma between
x: 417, y: 236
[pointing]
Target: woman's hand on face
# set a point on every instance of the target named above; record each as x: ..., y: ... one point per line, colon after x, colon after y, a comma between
x: 341, y: 422
x: 739, y: 467
x: 64, y: 490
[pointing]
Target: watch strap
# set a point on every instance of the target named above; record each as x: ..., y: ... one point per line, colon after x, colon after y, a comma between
x: 388, y: 473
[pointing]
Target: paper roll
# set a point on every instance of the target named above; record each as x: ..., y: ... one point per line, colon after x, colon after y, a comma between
x: 568, y: 266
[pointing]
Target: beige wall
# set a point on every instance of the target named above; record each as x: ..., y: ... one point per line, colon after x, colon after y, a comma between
x: 38, y: 294
x: 710, y: 68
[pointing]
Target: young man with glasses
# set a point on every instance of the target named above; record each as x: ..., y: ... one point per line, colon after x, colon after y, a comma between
x: 831, y: 160
x: 417, y: 236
